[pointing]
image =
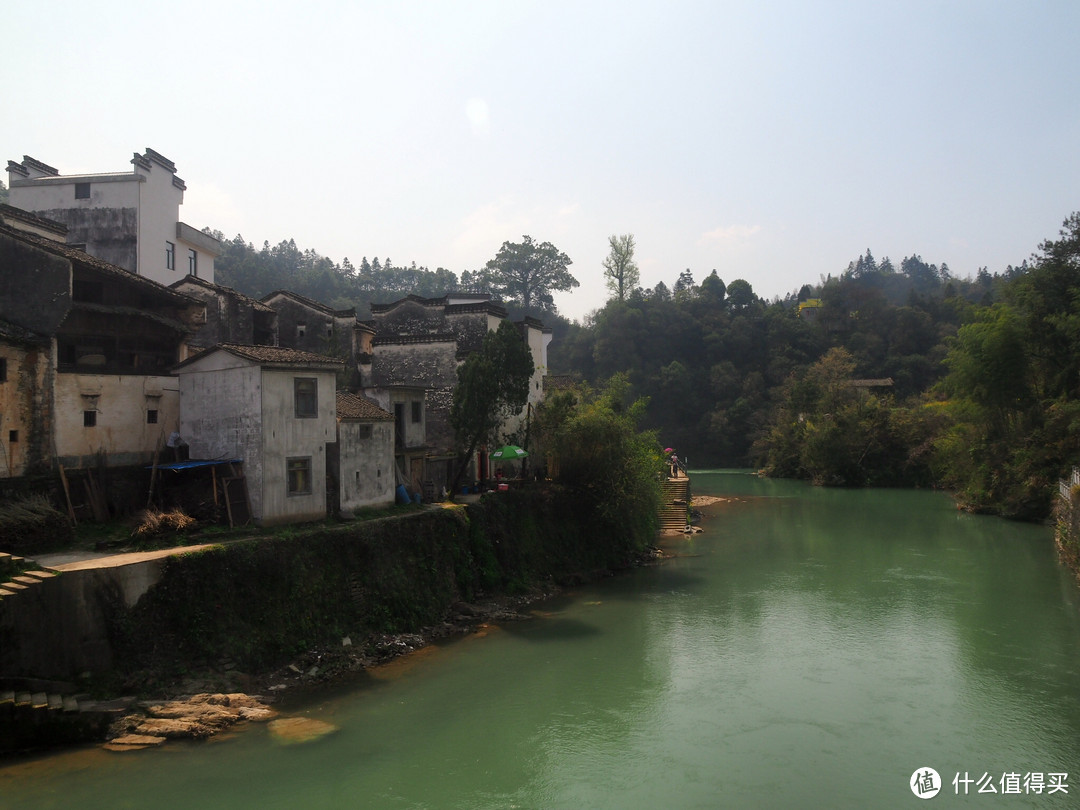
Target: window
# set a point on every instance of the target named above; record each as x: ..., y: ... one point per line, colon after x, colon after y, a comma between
x: 82, y: 191
x: 363, y: 431
x: 192, y: 263
x: 89, y: 418
x: 3, y: 369
x: 170, y: 256
x: 417, y: 412
x: 13, y: 436
x: 301, y: 330
x: 306, y: 397
x: 298, y: 472
x: 151, y: 416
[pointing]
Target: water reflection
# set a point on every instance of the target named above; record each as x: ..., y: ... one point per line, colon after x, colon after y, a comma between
x: 811, y: 649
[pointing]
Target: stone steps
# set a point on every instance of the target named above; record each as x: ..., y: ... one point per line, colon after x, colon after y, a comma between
x: 674, y: 501
x: 37, y: 719
x: 12, y: 583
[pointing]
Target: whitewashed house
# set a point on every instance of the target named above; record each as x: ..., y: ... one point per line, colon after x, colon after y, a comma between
x: 130, y: 219
x: 365, y: 451
x: 276, y: 410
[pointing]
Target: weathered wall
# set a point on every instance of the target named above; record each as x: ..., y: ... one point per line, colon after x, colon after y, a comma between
x: 285, y: 436
x: 121, y: 403
x: 321, y: 333
x: 221, y: 418
x: 25, y: 409
x: 35, y: 286
x: 107, y: 222
x: 228, y: 319
x: 367, y: 464
x: 421, y: 364
x: 77, y: 608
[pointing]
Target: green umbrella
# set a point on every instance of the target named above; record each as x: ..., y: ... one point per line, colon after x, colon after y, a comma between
x: 509, y: 451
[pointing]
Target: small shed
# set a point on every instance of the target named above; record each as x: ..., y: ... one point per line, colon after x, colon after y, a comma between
x: 365, y: 451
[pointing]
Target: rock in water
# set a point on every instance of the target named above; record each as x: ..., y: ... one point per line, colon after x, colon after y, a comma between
x: 291, y: 730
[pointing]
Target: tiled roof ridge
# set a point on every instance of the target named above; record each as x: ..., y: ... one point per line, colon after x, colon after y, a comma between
x: 353, y: 406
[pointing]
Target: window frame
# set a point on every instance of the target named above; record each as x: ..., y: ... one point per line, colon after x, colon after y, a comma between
x: 89, y: 417
x: 170, y: 255
x: 298, y: 472
x: 306, y: 403
x: 193, y: 262
x: 417, y: 412
x: 82, y: 191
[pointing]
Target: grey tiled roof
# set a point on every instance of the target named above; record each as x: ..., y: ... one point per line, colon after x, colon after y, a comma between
x: 350, y: 406
x: 273, y: 355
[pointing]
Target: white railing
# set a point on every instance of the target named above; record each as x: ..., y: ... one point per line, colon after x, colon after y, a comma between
x: 1065, y: 488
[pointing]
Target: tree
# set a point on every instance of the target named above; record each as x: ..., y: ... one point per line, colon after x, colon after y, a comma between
x: 527, y: 273
x: 684, y: 287
x: 493, y: 384
x: 620, y: 269
x: 740, y: 294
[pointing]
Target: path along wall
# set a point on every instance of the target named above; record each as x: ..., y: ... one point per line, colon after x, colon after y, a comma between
x: 258, y: 602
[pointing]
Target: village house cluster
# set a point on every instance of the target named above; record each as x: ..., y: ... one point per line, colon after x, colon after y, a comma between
x: 118, y: 349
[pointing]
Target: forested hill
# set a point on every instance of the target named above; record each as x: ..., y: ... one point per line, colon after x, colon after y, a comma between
x: 713, y: 358
x: 340, y: 286
x: 885, y: 374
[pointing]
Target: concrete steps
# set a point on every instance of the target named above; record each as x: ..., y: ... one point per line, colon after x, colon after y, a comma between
x: 36, y: 719
x: 17, y: 575
x: 674, y: 504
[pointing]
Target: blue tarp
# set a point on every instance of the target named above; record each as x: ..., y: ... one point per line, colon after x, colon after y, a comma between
x: 191, y: 465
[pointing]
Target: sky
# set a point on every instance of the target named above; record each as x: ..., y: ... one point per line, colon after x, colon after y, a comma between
x: 770, y: 141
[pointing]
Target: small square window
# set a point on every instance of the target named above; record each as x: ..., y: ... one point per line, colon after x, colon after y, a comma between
x: 89, y: 418
x: 192, y: 263
x: 301, y: 330
x: 170, y: 256
x: 298, y: 472
x: 151, y: 416
x: 417, y: 412
x: 82, y: 191
x: 306, y: 397
x: 13, y: 436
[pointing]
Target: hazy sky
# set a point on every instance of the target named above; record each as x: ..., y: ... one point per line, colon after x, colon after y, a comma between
x: 772, y: 141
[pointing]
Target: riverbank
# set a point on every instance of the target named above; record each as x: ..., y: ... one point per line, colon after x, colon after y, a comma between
x: 262, y: 615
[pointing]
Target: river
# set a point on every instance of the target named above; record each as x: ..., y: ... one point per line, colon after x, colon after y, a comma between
x: 812, y: 648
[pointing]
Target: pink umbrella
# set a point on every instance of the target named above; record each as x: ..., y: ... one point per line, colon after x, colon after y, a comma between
x: 669, y: 449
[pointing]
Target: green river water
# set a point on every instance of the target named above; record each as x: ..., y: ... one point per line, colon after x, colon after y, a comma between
x: 811, y: 649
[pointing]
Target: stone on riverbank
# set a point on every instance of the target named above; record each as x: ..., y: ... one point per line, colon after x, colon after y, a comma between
x: 195, y: 717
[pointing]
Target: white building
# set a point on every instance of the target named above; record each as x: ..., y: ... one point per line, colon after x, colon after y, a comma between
x: 365, y: 450
x: 130, y: 219
x: 275, y: 409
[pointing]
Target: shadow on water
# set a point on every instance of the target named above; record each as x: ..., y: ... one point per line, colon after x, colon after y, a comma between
x: 550, y: 627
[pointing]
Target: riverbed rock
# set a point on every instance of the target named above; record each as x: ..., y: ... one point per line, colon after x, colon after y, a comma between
x: 291, y: 730
x: 133, y: 742
x: 195, y: 717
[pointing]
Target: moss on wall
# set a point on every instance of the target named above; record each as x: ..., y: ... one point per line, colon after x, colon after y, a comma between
x: 260, y: 601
